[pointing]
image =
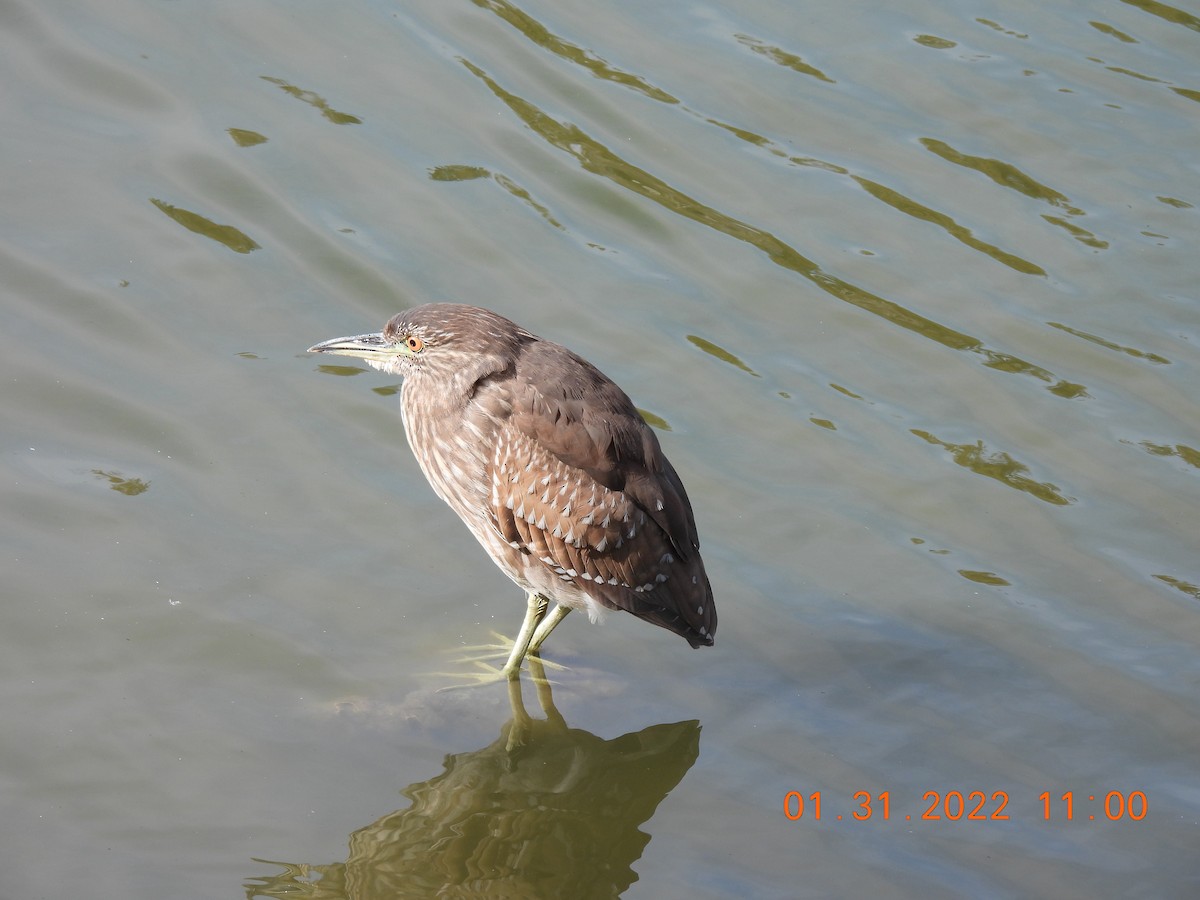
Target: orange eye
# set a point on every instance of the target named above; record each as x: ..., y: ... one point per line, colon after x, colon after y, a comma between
x: 414, y: 343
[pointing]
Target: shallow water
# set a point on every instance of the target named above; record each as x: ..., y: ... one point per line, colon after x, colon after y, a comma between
x: 909, y: 291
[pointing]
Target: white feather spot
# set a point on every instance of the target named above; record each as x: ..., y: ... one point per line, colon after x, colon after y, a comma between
x: 541, y: 523
x: 658, y: 504
x: 660, y: 578
x: 699, y: 610
x: 602, y: 545
x: 557, y: 531
x: 614, y: 581
x: 588, y: 519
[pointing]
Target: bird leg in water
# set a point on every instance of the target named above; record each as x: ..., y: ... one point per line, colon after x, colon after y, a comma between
x: 535, y: 613
x: 534, y: 630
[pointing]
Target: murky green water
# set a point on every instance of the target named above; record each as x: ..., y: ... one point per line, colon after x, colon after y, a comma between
x: 910, y: 291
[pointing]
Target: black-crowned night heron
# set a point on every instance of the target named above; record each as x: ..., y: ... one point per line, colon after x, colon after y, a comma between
x: 550, y: 465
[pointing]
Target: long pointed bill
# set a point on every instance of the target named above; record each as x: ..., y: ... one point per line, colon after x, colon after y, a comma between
x: 372, y: 347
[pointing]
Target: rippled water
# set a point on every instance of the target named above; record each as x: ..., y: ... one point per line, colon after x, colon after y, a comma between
x: 908, y: 289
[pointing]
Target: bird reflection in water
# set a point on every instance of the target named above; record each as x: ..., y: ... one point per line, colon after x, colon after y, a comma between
x: 545, y: 810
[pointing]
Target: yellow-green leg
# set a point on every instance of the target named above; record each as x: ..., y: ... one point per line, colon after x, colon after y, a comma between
x: 547, y: 625
x: 535, y: 628
x: 535, y: 616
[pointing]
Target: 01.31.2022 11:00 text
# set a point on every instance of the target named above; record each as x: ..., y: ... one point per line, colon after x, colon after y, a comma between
x: 969, y: 806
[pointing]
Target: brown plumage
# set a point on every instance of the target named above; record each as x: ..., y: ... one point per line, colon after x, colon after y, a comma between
x: 549, y: 464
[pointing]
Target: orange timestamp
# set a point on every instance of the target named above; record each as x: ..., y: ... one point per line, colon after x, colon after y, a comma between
x: 973, y: 806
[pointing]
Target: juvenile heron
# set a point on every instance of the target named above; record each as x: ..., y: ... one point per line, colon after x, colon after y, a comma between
x: 550, y: 465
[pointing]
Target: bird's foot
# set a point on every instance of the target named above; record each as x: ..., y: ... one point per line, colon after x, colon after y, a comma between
x: 486, y: 674
x: 499, y: 649
x: 490, y: 674
x: 481, y: 654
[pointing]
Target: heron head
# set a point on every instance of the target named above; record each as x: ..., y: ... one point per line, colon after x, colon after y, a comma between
x: 442, y: 341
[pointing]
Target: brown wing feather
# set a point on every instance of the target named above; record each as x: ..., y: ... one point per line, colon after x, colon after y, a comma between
x: 605, y: 436
x: 586, y: 490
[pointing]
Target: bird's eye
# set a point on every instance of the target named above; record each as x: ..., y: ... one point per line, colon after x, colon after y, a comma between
x: 414, y: 343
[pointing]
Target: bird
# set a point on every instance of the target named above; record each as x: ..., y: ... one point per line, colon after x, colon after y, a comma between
x: 549, y: 465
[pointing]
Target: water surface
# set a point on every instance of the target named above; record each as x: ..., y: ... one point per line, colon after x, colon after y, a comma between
x: 909, y: 291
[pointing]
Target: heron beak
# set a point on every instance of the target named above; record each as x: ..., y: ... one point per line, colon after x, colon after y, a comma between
x: 373, y: 347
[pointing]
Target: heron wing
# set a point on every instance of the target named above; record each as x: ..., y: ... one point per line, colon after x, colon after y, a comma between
x: 579, y: 482
x: 581, y: 417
